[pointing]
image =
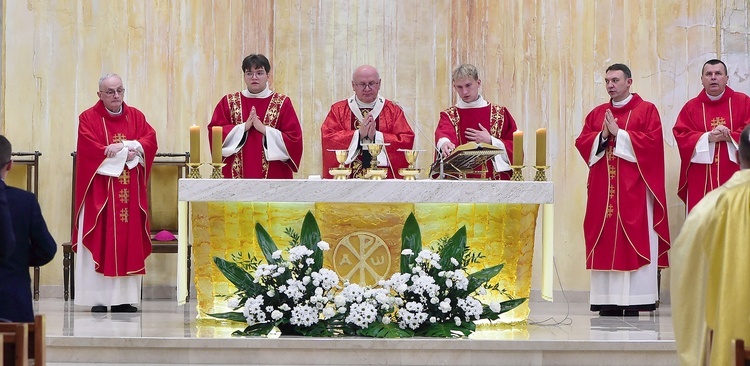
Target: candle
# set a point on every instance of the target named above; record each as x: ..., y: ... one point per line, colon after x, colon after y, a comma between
x: 541, y: 147
x: 518, y: 148
x: 216, y: 142
x: 195, y: 144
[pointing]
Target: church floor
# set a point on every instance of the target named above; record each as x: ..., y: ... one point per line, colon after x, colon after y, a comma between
x: 165, y: 333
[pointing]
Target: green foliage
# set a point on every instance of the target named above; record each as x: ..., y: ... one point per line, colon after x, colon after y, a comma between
x: 479, y: 278
x: 256, y: 330
x: 447, y: 330
x: 293, y: 236
x: 310, y: 238
x: 237, y: 276
x: 411, y: 238
x: 232, y: 315
x: 390, y: 330
x: 267, y: 246
x: 454, y: 248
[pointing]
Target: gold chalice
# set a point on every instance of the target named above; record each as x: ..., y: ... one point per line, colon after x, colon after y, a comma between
x: 411, y: 172
x: 341, y: 172
x: 374, y: 172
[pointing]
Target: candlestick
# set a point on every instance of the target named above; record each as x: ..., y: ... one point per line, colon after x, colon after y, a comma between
x: 518, y: 148
x: 541, y: 147
x: 195, y: 144
x: 216, y: 143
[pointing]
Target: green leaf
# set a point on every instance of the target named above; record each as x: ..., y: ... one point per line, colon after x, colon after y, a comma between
x: 411, y: 238
x: 255, y: 330
x: 319, y: 329
x: 233, y: 316
x: 479, y: 278
x: 310, y: 237
x: 447, y: 330
x: 390, y: 330
x: 267, y: 246
x: 505, y: 307
x: 236, y: 275
x: 454, y: 248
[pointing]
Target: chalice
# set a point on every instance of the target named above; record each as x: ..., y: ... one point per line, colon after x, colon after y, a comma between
x: 375, y: 173
x: 341, y: 172
x: 411, y: 172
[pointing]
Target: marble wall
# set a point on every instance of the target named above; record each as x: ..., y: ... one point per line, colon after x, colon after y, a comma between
x: 544, y: 60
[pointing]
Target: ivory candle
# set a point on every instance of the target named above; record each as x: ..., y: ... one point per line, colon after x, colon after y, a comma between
x: 195, y: 144
x: 541, y: 147
x: 216, y: 143
x: 518, y: 148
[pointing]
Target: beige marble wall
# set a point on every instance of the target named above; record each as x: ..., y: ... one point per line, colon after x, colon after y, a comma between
x: 544, y: 60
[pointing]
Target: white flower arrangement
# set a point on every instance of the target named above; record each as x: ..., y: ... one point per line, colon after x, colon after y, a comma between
x: 431, y: 296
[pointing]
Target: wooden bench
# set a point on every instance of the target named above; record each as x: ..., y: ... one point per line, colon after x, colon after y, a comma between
x: 742, y: 355
x: 33, y: 342
x: 162, y: 159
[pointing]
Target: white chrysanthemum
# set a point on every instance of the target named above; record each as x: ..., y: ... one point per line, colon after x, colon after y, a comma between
x: 322, y: 245
x: 407, y: 252
x: 458, y: 321
x: 353, y: 292
x: 269, y: 308
x: 386, y: 320
x: 329, y: 313
x: 445, y: 305
x: 276, y: 254
x: 433, y: 319
x: 339, y: 300
x: 294, y: 290
x: 233, y: 303
x: 310, y: 261
x: 449, y: 283
x: 271, y: 293
x: 482, y: 291
x: 299, y: 252
x: 434, y: 300
x: 495, y: 306
x: 304, y: 315
x: 325, y: 278
x: 414, y: 306
x: 472, y: 307
x: 362, y: 314
x: 276, y: 315
x: 454, y: 261
x: 284, y: 307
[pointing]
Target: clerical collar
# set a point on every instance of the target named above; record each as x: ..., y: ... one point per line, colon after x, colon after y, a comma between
x: 622, y: 103
x: 264, y: 94
x: 362, y: 104
x: 119, y: 112
x: 715, y: 98
x: 479, y: 103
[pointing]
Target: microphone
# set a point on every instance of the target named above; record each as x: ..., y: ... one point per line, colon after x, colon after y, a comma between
x: 440, y: 157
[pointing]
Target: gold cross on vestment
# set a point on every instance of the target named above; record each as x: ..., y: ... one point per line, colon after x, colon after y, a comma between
x: 612, y: 172
x: 124, y: 195
x: 124, y: 215
x: 610, y: 210
x: 718, y: 121
x: 124, y: 177
x: 358, y: 123
x: 611, y: 191
x: 119, y: 137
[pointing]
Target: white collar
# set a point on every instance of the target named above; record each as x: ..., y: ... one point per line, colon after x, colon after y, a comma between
x: 355, y: 104
x: 715, y: 98
x: 264, y: 94
x: 119, y: 112
x: 479, y: 103
x: 362, y: 104
x: 621, y: 103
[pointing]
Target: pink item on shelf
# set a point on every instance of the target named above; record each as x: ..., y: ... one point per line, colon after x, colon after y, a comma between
x: 164, y: 235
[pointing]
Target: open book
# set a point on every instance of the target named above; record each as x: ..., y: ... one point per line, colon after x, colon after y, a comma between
x: 465, y: 159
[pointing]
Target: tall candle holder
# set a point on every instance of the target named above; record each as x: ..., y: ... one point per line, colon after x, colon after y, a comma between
x: 540, y: 175
x: 517, y: 175
x: 216, y: 170
x: 193, y: 171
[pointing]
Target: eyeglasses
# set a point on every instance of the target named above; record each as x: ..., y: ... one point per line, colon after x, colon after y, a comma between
x: 371, y: 84
x: 257, y: 74
x: 112, y: 92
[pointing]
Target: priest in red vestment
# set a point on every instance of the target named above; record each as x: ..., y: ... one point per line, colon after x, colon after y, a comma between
x: 625, y: 226
x: 366, y: 117
x: 473, y: 119
x: 111, y: 235
x: 262, y: 137
x: 707, y: 130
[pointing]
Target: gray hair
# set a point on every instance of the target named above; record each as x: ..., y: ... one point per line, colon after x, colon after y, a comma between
x: 107, y: 76
x: 464, y: 71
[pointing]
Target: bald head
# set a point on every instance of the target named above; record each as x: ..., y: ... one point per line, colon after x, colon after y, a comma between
x: 366, y: 83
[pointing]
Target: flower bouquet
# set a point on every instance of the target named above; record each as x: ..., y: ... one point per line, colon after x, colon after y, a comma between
x: 431, y: 296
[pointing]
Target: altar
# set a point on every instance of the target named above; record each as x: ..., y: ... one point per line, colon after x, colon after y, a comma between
x: 362, y: 221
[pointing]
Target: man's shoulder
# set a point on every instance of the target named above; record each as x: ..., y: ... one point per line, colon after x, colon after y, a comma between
x: 18, y: 195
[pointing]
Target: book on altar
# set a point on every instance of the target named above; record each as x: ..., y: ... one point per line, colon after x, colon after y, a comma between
x: 465, y: 159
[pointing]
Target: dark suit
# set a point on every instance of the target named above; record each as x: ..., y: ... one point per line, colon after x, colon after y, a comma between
x: 7, y: 239
x: 34, y: 247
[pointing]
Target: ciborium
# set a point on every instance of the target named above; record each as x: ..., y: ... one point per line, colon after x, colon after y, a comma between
x: 375, y: 173
x: 341, y: 172
x: 411, y: 172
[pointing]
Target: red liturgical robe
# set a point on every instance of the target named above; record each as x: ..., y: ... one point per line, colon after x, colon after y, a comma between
x: 275, y: 111
x: 698, y: 116
x: 341, y: 123
x: 115, y: 223
x: 616, y: 225
x: 496, y: 119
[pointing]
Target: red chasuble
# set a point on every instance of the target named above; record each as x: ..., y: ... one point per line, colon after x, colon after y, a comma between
x: 496, y: 119
x: 275, y: 111
x: 615, y: 225
x: 339, y: 126
x: 115, y: 223
x: 698, y: 116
